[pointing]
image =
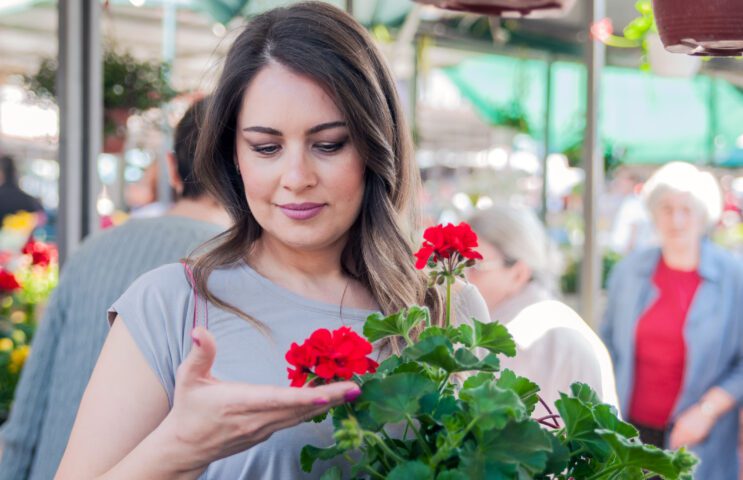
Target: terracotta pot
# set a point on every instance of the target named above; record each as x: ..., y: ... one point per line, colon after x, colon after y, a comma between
x: 114, y: 139
x: 700, y: 27
x: 500, y: 7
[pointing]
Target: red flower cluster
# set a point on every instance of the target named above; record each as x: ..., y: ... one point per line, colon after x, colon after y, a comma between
x: 330, y: 356
x: 445, y: 241
x: 41, y: 253
x: 8, y: 282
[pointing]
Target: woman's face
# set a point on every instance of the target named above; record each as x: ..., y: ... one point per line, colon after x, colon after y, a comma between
x: 497, y: 277
x: 678, y: 220
x: 303, y: 178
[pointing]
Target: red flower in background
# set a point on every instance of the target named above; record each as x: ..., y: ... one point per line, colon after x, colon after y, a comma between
x: 336, y: 355
x: 444, y: 241
x: 8, y: 282
x: 41, y: 253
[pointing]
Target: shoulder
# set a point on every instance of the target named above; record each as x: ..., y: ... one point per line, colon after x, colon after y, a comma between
x: 469, y: 302
x: 638, y: 263
x: 163, y: 287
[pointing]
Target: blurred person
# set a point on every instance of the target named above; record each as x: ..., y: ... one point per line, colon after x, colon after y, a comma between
x: 518, y: 279
x: 73, y: 328
x: 631, y: 226
x: 322, y: 188
x: 12, y: 198
x: 674, y: 325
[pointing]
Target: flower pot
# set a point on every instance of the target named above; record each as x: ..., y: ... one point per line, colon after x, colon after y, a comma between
x: 700, y: 27
x: 668, y: 64
x: 114, y: 138
x: 501, y: 7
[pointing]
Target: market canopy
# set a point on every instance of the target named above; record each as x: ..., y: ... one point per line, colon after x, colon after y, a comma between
x: 652, y: 119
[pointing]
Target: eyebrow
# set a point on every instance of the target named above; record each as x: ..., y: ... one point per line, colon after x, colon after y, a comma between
x: 313, y: 130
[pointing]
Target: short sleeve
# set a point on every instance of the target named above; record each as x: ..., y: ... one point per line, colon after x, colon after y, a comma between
x: 468, y: 304
x: 154, y: 309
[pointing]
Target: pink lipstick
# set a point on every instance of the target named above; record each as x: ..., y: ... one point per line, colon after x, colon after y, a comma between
x: 301, y: 211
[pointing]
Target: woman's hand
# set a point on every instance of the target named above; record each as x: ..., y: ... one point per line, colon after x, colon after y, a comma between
x: 691, y: 428
x: 212, y: 419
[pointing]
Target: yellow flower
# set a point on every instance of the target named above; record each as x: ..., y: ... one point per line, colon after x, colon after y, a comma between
x: 18, y: 358
x: 6, y: 344
x: 21, y: 221
x: 19, y: 336
x: 18, y: 316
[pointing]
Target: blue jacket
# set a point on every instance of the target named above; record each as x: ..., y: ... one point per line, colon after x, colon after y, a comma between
x: 714, y: 343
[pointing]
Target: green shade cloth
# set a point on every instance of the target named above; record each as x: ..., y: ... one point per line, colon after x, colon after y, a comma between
x: 653, y: 119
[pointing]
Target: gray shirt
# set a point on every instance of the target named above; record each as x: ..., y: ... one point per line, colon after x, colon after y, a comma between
x: 72, y: 331
x: 158, y: 310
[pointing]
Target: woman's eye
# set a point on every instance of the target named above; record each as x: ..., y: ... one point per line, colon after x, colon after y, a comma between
x: 266, y: 149
x: 329, y: 147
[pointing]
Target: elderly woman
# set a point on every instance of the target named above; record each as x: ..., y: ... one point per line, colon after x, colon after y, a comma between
x: 674, y: 328
x: 517, y: 278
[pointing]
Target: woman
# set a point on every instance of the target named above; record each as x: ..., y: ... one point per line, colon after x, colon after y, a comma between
x: 517, y: 278
x: 305, y: 146
x: 673, y: 326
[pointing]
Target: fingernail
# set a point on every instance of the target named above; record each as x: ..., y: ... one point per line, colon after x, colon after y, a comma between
x: 195, y: 339
x: 352, y: 395
x: 321, y: 401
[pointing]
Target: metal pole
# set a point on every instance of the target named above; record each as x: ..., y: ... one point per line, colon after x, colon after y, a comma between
x: 590, y: 285
x: 349, y: 7
x: 80, y: 101
x: 712, y: 121
x: 170, y: 20
x: 546, y: 141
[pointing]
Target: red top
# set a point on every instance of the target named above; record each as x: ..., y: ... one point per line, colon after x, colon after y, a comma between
x: 660, y: 350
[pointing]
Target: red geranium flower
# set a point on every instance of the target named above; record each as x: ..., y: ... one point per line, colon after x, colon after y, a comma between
x: 41, y: 253
x: 443, y: 242
x: 8, y: 282
x: 330, y: 356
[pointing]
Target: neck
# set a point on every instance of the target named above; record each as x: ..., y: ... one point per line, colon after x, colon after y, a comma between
x: 682, y: 257
x: 204, y: 209
x: 313, y: 274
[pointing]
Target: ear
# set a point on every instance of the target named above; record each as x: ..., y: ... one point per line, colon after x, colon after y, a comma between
x: 521, y: 275
x: 175, y: 180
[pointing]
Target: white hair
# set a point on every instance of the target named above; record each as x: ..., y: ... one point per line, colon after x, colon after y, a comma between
x: 519, y: 235
x: 680, y: 177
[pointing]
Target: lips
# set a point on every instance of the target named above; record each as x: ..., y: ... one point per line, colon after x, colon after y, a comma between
x: 301, y: 211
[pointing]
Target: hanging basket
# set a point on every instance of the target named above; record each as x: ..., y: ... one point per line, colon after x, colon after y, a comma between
x: 504, y: 7
x: 114, y: 138
x: 700, y: 27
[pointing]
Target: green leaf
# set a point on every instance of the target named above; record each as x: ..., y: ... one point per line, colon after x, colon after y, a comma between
x: 524, y: 388
x: 632, y: 454
x: 559, y: 457
x: 452, y: 475
x: 438, y: 352
x: 415, y: 470
x: 492, y: 406
x: 334, y: 473
x: 520, y: 450
x: 401, y: 323
x: 310, y: 454
x: 585, y: 393
x: 606, y: 418
x: 580, y: 426
x: 478, y: 379
x: 437, y: 406
x: 396, y: 396
x: 389, y: 364
x: 493, y: 337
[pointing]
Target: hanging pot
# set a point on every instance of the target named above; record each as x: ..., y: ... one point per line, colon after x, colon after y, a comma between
x: 668, y: 64
x: 501, y: 7
x: 114, y: 138
x: 700, y: 27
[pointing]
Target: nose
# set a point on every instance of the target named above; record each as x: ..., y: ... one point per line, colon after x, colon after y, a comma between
x: 299, y: 172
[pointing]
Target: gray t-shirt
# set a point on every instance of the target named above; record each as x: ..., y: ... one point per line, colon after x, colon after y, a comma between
x: 158, y: 310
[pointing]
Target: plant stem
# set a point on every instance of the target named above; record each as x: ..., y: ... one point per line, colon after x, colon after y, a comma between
x: 448, y: 303
x: 384, y: 447
x: 418, y: 435
x: 371, y: 471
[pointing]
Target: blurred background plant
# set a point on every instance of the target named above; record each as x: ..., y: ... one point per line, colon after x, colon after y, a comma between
x: 29, y: 272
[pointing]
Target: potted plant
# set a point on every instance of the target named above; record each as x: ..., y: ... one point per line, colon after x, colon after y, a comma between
x: 702, y: 28
x: 501, y: 7
x: 129, y: 86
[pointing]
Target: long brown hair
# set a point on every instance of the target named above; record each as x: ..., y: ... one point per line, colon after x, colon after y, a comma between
x: 324, y: 43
